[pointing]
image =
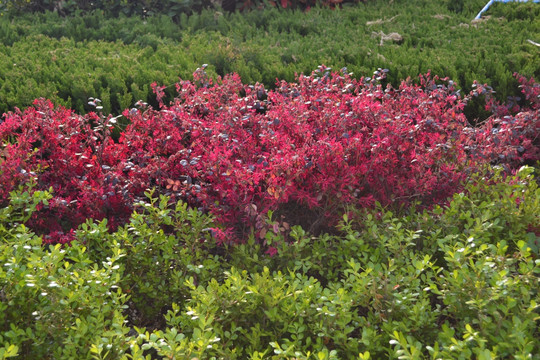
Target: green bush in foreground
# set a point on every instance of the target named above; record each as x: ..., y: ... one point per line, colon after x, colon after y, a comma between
x: 55, y: 302
x: 456, y: 282
x: 157, y: 262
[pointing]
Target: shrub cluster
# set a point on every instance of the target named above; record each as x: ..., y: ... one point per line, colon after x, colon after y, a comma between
x: 146, y: 8
x: 260, y: 46
x: 70, y: 72
x: 55, y: 303
x: 455, y: 282
x: 110, y: 7
x: 304, y: 151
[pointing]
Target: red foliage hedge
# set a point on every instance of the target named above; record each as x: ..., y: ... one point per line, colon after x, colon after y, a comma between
x: 305, y: 150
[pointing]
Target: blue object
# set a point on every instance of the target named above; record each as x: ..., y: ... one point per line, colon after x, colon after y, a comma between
x: 503, y: 1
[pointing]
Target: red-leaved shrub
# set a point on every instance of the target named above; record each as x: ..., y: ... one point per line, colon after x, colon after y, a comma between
x: 305, y: 150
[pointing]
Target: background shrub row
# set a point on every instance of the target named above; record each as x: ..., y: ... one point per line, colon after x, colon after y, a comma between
x: 69, y: 59
x: 145, y: 8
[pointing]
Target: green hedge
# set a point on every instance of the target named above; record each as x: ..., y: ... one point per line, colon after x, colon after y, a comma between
x: 70, y: 72
x: 459, y: 282
x: 144, y: 8
x: 124, y: 55
x: 111, y: 7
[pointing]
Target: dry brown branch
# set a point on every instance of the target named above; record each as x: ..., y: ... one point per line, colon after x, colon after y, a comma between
x: 381, y: 21
x: 394, y: 36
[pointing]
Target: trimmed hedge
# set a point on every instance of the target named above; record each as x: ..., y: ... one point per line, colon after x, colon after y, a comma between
x: 261, y: 46
x: 70, y: 72
x: 111, y: 7
x: 146, y: 8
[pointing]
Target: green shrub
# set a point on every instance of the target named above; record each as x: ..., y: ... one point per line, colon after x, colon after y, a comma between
x: 250, y: 314
x: 141, y: 8
x: 163, y: 247
x: 470, y: 266
x: 70, y: 72
x: 55, y: 302
x: 457, y: 281
x: 514, y: 11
